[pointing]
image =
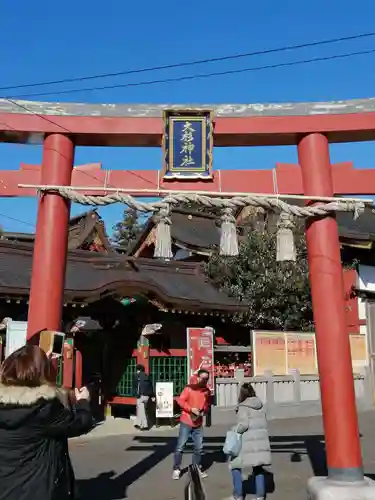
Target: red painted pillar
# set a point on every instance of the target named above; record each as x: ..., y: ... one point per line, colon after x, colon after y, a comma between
x: 143, y: 353
x: 68, y: 368
x: 333, y: 349
x: 51, y: 239
x: 78, y: 369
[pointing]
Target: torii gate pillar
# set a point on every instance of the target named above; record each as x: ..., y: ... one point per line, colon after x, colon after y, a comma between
x: 333, y: 349
x: 51, y: 238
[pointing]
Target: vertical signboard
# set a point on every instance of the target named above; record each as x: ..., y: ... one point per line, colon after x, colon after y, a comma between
x: 164, y: 399
x: 200, y: 348
x: 187, y: 144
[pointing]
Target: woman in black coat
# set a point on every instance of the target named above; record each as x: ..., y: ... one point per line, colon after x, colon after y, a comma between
x: 35, y: 424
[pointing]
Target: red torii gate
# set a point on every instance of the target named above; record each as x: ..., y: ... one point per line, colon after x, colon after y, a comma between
x: 310, y: 126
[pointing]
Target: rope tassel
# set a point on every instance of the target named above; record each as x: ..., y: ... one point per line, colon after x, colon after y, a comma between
x: 228, y: 237
x: 285, y: 246
x: 163, y: 240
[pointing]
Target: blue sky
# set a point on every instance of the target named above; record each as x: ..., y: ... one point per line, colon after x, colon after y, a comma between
x: 53, y: 40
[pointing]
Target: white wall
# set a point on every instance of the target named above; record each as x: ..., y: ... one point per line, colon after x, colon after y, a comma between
x: 15, y: 336
x: 366, y: 282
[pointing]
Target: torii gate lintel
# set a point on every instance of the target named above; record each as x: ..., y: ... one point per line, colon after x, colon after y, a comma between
x: 285, y: 178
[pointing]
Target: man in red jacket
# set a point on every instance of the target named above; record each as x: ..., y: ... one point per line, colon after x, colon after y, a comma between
x: 194, y: 402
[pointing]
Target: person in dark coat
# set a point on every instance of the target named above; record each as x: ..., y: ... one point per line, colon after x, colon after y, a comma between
x: 36, y: 421
x: 143, y: 390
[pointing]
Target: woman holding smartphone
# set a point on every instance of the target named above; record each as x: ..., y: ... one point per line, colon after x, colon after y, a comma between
x: 36, y: 420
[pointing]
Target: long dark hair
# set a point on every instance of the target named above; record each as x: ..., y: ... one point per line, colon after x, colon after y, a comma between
x: 28, y: 367
x: 246, y: 391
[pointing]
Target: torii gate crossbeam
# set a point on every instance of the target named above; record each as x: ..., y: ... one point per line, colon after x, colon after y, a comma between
x: 347, y: 180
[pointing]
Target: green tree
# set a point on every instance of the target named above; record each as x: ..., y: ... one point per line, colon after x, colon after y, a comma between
x: 277, y: 293
x: 127, y: 231
x: 197, y: 207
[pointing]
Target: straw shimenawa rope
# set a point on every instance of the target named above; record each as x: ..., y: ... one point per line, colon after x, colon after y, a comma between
x: 228, y: 206
x: 272, y: 204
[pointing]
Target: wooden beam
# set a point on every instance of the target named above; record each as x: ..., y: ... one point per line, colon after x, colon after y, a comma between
x: 142, y: 125
x: 347, y: 180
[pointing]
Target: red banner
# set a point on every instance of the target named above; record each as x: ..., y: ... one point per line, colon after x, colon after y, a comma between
x: 200, y: 348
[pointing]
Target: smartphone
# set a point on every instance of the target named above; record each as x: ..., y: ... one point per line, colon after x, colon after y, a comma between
x: 58, y: 343
x: 52, y: 342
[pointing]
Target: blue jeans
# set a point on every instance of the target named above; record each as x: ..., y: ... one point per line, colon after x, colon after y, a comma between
x: 196, y: 435
x: 260, y: 484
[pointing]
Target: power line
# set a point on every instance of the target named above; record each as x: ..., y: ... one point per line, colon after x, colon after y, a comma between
x: 198, y: 76
x: 25, y: 108
x: 37, y: 114
x: 43, y: 117
x: 17, y: 220
x: 192, y: 63
x: 188, y: 77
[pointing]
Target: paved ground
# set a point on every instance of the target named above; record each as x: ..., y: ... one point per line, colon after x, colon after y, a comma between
x: 116, y: 427
x: 139, y: 466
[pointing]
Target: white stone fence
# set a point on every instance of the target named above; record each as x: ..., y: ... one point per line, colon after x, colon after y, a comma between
x: 291, y: 395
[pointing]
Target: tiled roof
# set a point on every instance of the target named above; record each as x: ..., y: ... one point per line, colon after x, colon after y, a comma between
x: 202, y: 232
x: 91, y: 275
x: 81, y: 230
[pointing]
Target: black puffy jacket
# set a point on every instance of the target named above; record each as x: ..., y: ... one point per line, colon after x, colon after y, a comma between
x: 35, y: 425
x: 142, y: 385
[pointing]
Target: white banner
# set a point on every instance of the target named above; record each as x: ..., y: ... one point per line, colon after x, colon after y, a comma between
x: 164, y: 399
x: 15, y: 336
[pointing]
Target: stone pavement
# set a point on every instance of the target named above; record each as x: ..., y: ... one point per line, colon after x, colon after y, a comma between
x: 117, y: 427
x: 138, y: 466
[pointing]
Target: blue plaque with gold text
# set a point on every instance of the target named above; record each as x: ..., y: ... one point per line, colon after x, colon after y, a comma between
x: 188, y: 144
